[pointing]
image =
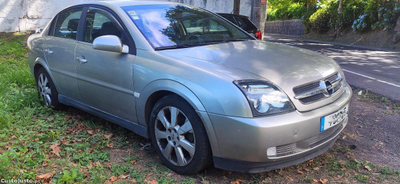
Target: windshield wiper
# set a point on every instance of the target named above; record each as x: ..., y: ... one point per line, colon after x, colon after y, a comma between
x: 235, y: 40
x: 180, y: 46
x: 171, y: 47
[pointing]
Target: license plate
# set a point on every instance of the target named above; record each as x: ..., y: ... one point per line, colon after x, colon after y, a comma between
x: 334, y: 119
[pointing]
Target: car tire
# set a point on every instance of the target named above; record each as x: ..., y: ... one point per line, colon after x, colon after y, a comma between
x: 180, y: 137
x: 47, y: 92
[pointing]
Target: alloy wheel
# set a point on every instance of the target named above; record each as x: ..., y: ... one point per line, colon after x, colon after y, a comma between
x: 44, y: 89
x: 175, y: 136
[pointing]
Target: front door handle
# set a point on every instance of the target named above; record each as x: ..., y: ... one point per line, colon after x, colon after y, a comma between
x: 81, y: 59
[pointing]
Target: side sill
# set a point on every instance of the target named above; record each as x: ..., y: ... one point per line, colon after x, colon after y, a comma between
x: 138, y: 129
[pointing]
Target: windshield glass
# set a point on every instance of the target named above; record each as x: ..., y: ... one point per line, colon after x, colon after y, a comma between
x: 169, y: 26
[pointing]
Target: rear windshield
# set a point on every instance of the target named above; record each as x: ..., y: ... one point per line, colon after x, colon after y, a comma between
x: 245, y: 23
x: 174, y: 26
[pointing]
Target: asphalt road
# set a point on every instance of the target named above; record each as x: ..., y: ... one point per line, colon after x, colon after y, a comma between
x: 377, y: 71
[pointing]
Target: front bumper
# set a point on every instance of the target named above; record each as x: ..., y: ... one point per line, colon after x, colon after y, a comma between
x: 243, y: 142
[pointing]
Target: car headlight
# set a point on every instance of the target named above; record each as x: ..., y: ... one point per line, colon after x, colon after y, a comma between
x: 264, y: 98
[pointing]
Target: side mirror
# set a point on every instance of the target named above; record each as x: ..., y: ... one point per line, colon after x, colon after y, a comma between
x: 110, y: 43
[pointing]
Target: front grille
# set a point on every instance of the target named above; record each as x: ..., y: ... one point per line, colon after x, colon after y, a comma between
x: 289, y: 149
x: 313, y: 86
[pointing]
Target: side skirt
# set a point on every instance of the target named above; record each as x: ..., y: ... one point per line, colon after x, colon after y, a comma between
x: 138, y: 129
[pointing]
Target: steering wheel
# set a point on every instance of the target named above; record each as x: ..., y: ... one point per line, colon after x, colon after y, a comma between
x: 192, y: 34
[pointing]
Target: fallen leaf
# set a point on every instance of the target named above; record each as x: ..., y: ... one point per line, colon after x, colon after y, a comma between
x: 315, y: 168
x: 133, y: 180
x: 152, y: 181
x: 108, y: 136
x: 113, y: 178
x: 107, y: 182
x: 133, y: 162
x: 36, y: 140
x: 64, y: 141
x: 22, y: 171
x: 204, y: 181
x: 288, y: 177
x: 67, y: 118
x: 46, y: 176
x: 55, y: 148
x: 315, y: 181
x: 367, y: 167
x: 123, y: 176
x: 73, y: 164
x: 44, y: 164
x: 339, y: 176
x: 323, y: 181
x: 91, y: 132
x: 109, y: 146
x: 300, y: 172
x: 237, y: 181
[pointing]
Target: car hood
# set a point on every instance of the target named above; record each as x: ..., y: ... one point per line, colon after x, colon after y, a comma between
x: 285, y: 66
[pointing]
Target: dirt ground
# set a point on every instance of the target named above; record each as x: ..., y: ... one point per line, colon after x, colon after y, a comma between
x: 371, y: 136
x: 374, y: 131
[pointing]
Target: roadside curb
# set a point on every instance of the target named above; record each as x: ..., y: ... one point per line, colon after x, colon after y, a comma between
x: 364, y: 47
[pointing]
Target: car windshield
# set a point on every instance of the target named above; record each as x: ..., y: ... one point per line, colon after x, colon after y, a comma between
x: 169, y: 26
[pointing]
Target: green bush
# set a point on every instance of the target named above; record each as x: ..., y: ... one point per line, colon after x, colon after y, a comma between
x: 291, y: 11
x: 387, y: 16
x: 319, y: 21
x: 323, y: 15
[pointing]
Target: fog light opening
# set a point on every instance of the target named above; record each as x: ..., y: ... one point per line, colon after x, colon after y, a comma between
x: 271, y: 151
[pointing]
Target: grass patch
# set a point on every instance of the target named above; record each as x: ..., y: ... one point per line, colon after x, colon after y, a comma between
x: 392, y: 107
x: 70, y: 146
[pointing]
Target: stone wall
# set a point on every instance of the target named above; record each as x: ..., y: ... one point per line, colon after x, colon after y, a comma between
x: 24, y: 15
x: 286, y: 27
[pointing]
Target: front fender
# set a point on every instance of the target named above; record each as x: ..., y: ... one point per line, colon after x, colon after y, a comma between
x: 166, y: 85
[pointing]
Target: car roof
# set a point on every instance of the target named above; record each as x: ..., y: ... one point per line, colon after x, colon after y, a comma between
x: 128, y: 3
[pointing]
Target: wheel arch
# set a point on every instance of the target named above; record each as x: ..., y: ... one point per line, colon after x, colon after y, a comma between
x: 40, y: 63
x: 160, y: 88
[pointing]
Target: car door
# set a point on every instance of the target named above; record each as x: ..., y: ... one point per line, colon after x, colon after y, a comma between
x: 105, y: 79
x: 59, y: 50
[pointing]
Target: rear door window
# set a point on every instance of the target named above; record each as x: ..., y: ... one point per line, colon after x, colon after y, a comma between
x: 67, y: 23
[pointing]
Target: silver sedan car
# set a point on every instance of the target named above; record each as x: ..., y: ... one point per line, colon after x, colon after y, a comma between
x: 203, y: 90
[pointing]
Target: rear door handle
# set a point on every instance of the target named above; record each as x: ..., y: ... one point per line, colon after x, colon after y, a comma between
x: 81, y: 59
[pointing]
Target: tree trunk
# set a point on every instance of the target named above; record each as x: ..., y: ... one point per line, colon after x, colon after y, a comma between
x: 339, y: 10
x: 236, y: 7
x: 337, y: 23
